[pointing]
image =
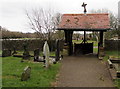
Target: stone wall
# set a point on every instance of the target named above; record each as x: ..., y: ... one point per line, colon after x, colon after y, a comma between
x: 112, y: 45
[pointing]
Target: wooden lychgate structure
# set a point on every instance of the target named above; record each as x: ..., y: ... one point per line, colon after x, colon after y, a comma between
x: 83, y: 22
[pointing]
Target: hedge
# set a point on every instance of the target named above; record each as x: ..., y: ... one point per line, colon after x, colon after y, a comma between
x: 31, y: 44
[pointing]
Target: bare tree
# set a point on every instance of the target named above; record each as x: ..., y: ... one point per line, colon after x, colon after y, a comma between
x: 44, y: 22
x: 56, y: 20
x: 113, y: 20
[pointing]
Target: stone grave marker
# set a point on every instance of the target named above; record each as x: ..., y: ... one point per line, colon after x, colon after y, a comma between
x: 46, y: 53
x: 36, y: 54
x: 6, y: 53
x: 26, y: 74
x: 14, y: 50
x: 57, y: 51
x: 26, y: 54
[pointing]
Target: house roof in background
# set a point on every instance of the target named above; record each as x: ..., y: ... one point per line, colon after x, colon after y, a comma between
x: 82, y: 22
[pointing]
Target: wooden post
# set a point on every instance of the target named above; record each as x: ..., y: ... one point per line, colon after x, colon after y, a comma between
x: 66, y: 36
x: 84, y: 37
x: 101, y: 48
x: 68, y: 40
x: 70, y: 43
x: 101, y: 38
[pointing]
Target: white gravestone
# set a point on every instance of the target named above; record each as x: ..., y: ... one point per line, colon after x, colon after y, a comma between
x: 46, y: 53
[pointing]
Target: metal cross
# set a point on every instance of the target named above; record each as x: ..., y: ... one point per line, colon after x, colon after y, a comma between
x: 84, y: 5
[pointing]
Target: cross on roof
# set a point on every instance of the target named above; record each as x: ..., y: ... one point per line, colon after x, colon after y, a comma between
x: 84, y: 5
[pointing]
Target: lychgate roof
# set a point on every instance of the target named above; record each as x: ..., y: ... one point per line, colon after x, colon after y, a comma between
x: 84, y: 22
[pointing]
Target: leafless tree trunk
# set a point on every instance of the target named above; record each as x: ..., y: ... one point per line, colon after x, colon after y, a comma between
x: 43, y: 22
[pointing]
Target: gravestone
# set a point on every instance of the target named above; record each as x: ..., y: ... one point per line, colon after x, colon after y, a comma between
x: 26, y: 73
x: 6, y: 53
x: 14, y: 50
x: 57, y: 51
x: 26, y: 54
x: 36, y: 54
x: 46, y: 53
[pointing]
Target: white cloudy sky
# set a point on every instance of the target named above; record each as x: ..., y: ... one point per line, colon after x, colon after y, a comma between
x: 12, y: 12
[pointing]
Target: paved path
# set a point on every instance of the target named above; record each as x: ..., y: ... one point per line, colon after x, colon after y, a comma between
x: 84, y: 71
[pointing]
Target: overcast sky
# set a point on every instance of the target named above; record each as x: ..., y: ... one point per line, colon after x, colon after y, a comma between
x: 12, y: 12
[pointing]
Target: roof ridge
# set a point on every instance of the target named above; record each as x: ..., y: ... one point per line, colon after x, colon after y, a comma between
x: 86, y: 14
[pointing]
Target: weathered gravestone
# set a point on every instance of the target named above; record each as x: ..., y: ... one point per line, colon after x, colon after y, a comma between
x: 14, y: 50
x: 26, y: 73
x: 38, y: 58
x: 26, y: 54
x: 36, y: 54
x: 6, y: 53
x: 46, y: 53
x: 57, y: 51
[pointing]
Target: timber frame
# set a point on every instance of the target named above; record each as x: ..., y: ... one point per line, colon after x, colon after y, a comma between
x: 81, y: 22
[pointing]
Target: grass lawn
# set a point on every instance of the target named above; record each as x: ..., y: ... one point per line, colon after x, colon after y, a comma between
x: 32, y: 53
x: 12, y: 69
x: 95, y: 50
x: 0, y: 52
x: 111, y: 53
x: 89, y: 41
x: 115, y: 54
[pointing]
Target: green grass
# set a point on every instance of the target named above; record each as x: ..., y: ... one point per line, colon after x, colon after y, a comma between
x: 51, y: 53
x: 117, y: 82
x: 95, y: 50
x: 32, y: 53
x: 115, y: 54
x: 111, y: 53
x: 89, y: 41
x: 21, y: 52
x: 0, y: 52
x: 12, y: 69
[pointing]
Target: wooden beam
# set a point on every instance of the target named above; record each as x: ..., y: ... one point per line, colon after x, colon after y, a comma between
x: 84, y: 37
x: 70, y: 43
x: 101, y: 38
x: 66, y: 36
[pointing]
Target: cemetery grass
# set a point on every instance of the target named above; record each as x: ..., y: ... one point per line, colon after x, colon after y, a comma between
x: 12, y: 69
x: 89, y: 41
x: 95, y: 50
x: 32, y: 53
x: 115, y: 54
x: 111, y: 53
x: 0, y: 52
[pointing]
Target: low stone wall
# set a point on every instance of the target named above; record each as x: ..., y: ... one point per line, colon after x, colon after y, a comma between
x: 31, y: 44
x: 112, y: 45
